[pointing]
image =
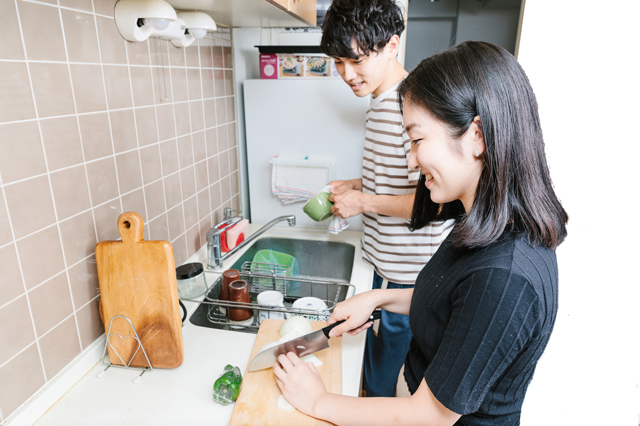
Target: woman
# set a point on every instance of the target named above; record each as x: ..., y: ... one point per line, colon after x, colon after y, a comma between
x: 483, y: 308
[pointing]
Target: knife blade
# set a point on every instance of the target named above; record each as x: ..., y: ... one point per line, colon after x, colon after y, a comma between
x: 304, y: 345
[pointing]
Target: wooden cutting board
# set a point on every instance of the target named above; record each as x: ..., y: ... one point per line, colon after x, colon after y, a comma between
x: 257, y: 403
x: 138, y: 280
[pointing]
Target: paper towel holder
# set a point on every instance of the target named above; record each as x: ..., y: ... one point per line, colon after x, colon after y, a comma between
x: 137, y: 20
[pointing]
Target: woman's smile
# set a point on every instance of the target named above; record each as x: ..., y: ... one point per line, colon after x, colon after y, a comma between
x: 429, y: 179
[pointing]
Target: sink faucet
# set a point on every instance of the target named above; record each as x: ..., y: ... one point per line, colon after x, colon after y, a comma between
x: 214, y: 250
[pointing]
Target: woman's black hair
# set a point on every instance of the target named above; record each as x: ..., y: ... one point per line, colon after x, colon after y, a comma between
x: 515, y: 190
x: 371, y: 23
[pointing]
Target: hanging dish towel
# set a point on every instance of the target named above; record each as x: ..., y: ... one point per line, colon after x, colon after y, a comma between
x: 296, y: 179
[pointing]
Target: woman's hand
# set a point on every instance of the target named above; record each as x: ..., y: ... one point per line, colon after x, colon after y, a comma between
x: 355, y: 312
x: 300, y: 382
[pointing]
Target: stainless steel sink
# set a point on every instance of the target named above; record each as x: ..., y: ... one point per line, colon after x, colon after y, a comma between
x: 317, y: 260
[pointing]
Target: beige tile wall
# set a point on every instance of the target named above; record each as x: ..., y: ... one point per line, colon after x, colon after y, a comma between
x: 91, y: 126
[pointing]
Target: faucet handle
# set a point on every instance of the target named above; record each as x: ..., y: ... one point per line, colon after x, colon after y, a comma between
x: 226, y: 224
x: 228, y: 212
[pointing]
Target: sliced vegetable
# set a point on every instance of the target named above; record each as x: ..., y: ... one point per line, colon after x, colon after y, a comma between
x: 283, y: 404
x: 227, y: 387
x: 313, y: 359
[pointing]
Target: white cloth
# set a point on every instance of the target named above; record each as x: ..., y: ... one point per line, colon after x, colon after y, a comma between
x: 336, y: 223
x: 297, y: 179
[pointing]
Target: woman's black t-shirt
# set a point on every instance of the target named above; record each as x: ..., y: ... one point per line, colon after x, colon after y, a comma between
x: 481, y: 319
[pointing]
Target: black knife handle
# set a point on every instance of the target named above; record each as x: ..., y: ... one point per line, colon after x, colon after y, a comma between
x: 375, y: 315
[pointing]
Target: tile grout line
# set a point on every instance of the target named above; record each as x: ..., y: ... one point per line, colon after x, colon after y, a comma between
x: 206, y: 151
x: 215, y: 113
x: 135, y: 124
x: 55, y: 209
x: 195, y: 185
x: 184, y: 216
x: 175, y: 129
x: 24, y: 281
x: 229, y: 125
x: 175, y: 132
x: 206, y: 148
x: 155, y: 110
x: 195, y: 174
x: 66, y: 8
x: 53, y: 117
x: 224, y: 79
x: 106, y: 101
x: 114, y: 64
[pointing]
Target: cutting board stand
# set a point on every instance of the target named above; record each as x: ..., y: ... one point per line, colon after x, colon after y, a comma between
x: 138, y: 281
x: 134, y: 336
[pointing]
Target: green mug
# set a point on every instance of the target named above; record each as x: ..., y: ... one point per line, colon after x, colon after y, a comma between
x: 318, y: 207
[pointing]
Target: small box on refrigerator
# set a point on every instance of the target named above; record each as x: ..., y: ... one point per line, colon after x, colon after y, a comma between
x: 268, y: 66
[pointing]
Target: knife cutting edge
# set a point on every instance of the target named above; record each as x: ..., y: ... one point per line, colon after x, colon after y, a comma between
x: 304, y: 345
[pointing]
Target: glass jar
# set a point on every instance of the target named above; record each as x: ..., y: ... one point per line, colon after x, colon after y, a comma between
x: 192, y: 282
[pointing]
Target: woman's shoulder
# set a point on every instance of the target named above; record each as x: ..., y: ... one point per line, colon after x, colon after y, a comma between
x: 514, y: 252
x: 532, y: 266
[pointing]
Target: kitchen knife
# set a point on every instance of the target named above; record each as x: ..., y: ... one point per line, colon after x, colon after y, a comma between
x: 304, y: 345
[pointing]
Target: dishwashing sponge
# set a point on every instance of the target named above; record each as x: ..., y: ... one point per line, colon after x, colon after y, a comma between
x: 236, y: 234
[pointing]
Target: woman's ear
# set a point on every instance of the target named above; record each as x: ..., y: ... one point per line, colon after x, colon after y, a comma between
x: 478, y: 137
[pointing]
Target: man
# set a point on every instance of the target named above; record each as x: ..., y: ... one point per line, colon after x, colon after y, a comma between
x: 363, y: 37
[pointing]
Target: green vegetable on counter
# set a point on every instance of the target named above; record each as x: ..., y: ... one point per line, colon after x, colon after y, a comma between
x: 227, y: 387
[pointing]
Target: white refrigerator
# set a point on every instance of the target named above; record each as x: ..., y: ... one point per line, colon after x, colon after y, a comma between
x: 300, y: 118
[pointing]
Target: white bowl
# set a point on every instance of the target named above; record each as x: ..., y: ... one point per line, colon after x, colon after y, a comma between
x: 312, y: 304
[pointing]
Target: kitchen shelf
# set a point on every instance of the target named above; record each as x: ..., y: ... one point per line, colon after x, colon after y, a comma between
x: 290, y: 49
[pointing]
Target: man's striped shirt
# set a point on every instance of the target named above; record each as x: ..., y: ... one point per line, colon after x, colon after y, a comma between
x: 397, y: 253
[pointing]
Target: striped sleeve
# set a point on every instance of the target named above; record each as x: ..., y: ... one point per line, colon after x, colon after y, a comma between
x: 397, y: 253
x: 495, y: 314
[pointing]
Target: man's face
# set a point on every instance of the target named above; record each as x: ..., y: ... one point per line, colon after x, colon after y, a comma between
x: 366, y: 73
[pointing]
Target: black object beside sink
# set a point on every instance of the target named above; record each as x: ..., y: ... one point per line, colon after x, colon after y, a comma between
x: 321, y: 259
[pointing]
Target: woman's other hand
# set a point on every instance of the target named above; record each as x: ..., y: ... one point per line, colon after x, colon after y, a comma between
x: 300, y: 382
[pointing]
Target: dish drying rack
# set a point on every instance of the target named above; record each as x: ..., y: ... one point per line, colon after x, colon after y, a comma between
x: 271, y: 276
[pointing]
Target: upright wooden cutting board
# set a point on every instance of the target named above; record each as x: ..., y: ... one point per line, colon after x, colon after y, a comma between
x: 138, y: 280
x: 257, y: 403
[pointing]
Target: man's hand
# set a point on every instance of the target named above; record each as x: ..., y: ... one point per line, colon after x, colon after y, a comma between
x: 345, y: 185
x: 348, y: 203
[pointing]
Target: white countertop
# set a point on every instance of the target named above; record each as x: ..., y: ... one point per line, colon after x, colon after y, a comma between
x: 184, y: 395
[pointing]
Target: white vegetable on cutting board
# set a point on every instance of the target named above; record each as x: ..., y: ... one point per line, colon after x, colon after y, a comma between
x: 258, y: 400
x: 293, y: 327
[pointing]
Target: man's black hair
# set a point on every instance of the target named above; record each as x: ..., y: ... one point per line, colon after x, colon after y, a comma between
x: 371, y: 23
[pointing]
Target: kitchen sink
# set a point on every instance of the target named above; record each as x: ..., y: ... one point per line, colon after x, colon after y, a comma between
x: 324, y: 268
